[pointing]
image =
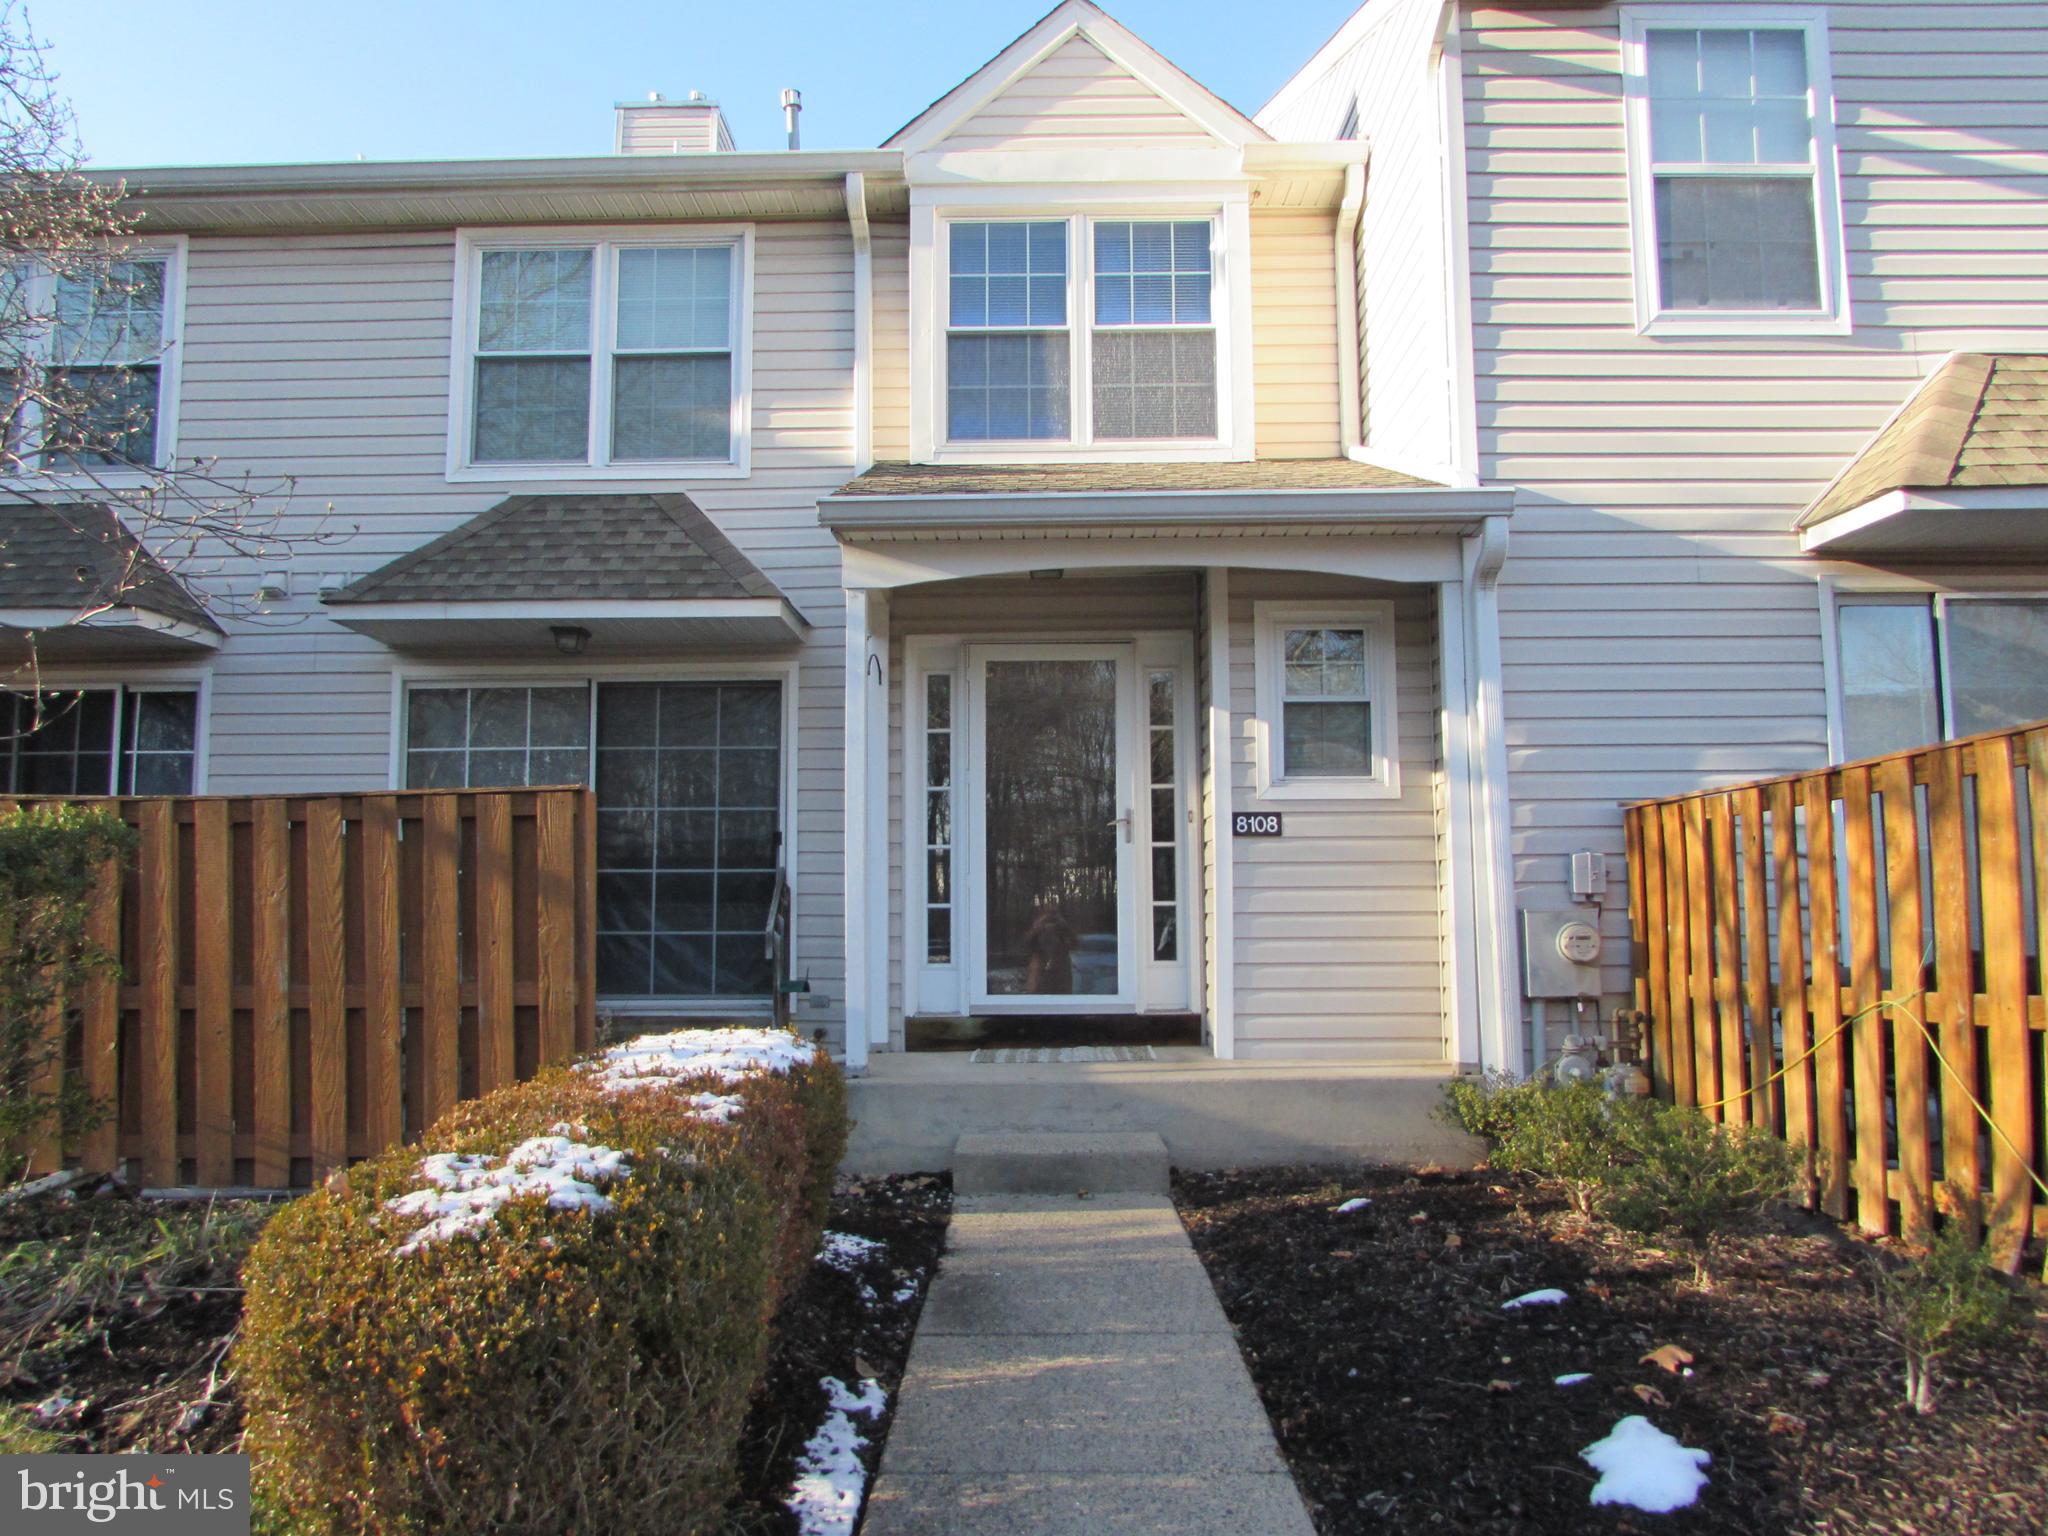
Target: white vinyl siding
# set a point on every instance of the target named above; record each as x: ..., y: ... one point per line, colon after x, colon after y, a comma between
x: 1295, y: 380
x: 1077, y: 97
x: 327, y: 358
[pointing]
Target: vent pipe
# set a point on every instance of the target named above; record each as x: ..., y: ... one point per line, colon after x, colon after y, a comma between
x: 792, y: 105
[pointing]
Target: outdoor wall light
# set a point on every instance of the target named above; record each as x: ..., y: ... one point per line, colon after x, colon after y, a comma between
x: 570, y: 639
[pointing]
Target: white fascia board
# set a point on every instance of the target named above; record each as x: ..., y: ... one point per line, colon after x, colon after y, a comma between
x: 123, y: 618
x: 1079, y: 509
x: 1324, y: 59
x: 1962, y: 498
x: 569, y: 610
x: 540, y: 172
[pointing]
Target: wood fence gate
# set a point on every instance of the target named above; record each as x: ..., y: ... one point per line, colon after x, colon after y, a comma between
x: 307, y: 979
x: 1842, y: 909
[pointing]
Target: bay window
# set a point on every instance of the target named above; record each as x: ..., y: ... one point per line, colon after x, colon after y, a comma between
x: 1077, y: 332
x: 1913, y: 669
x: 1733, y: 184
x: 601, y: 356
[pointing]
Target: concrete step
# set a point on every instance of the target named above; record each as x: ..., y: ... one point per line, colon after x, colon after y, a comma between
x: 1055, y: 1163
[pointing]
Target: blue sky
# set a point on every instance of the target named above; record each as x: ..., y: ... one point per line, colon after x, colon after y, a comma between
x: 181, y: 82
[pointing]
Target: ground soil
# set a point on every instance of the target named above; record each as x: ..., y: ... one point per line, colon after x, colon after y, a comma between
x: 1405, y: 1399
x: 844, y: 1324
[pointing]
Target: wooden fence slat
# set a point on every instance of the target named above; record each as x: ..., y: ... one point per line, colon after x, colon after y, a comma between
x: 213, y: 964
x: 46, y: 1154
x: 440, y: 1016
x: 1825, y: 1006
x: 586, y: 938
x: 494, y: 943
x: 100, y: 1026
x: 382, y: 984
x: 1700, y: 951
x: 327, y: 977
x: 157, y: 1026
x: 271, y: 971
x: 1894, y: 779
x: 2005, y: 989
x: 1756, y: 942
x: 557, y: 815
x: 1728, y: 963
x: 1656, y: 935
x: 1678, y: 934
x: 1794, y: 1019
x: 1955, y: 979
x: 1866, y: 1034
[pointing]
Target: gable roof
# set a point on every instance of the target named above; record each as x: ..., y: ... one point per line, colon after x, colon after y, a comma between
x: 78, y: 556
x: 1066, y: 21
x: 1980, y: 420
x: 629, y: 547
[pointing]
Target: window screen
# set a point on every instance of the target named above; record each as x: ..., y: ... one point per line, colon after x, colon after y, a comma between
x: 1007, y: 346
x: 672, y: 366
x: 496, y: 738
x: 533, y: 357
x: 1326, y: 709
x: 105, y: 359
x: 1154, y: 342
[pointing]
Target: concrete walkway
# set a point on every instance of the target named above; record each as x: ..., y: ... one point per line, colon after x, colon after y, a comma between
x: 1073, y: 1372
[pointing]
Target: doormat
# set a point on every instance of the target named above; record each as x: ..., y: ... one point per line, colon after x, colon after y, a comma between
x: 1017, y: 1055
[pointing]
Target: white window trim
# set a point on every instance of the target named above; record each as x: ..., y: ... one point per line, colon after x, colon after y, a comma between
x: 180, y: 680
x: 1834, y: 317
x: 1376, y: 618
x: 1837, y: 594
x: 173, y: 250
x: 606, y: 241
x: 523, y: 674
x: 1228, y: 212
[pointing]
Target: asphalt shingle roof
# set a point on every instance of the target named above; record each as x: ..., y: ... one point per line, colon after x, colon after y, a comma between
x: 554, y: 548
x: 1981, y: 420
x: 899, y: 479
x: 78, y: 556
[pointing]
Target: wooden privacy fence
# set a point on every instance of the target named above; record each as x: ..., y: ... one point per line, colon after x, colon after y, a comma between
x: 1767, y: 916
x: 307, y: 979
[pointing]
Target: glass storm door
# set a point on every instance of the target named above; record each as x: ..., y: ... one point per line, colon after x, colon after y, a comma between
x: 1054, y: 826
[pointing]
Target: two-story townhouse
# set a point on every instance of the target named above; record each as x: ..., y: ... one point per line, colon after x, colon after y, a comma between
x: 1073, y: 540
x: 1747, y: 302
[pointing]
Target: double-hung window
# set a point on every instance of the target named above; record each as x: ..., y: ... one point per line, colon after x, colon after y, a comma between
x: 1072, y: 333
x: 90, y: 390
x: 1735, y: 197
x: 1324, y: 689
x: 1914, y: 669
x: 608, y: 357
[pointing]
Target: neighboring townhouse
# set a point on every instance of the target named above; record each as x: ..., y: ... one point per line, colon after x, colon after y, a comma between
x: 1142, y: 572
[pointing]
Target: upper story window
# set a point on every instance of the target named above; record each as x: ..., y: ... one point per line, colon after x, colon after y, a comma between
x: 606, y: 358
x: 1081, y: 333
x: 1735, y: 198
x: 90, y: 390
x: 1913, y: 669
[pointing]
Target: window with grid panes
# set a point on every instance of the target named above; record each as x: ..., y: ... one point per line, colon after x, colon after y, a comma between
x: 1007, y: 344
x: 1154, y: 343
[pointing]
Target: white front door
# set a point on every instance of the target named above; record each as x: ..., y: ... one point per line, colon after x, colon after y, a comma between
x: 1053, y: 815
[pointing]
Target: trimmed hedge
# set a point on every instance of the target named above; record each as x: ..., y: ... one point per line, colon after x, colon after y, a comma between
x: 541, y: 1369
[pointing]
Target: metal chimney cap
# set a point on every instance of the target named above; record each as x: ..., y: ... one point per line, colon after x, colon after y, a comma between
x: 792, y: 98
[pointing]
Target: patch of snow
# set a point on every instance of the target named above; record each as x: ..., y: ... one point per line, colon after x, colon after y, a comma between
x: 1549, y: 1297
x: 1644, y: 1468
x: 826, y: 1496
x: 1573, y: 1378
x: 728, y: 1054
x: 906, y: 1293
x: 1349, y: 1206
x: 466, y: 1190
x: 846, y: 1252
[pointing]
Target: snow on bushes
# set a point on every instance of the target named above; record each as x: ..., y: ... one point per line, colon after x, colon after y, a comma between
x: 552, y: 1312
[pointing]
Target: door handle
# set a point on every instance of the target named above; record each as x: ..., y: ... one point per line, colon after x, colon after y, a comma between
x: 1123, y: 821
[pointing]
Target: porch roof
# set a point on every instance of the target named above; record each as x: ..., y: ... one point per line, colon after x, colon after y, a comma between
x: 1261, y: 497
x: 1961, y: 467
x: 74, y: 575
x: 635, y: 570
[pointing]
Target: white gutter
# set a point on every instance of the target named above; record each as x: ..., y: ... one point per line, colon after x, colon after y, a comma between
x: 863, y: 322
x: 1350, y: 386
x: 1360, y: 509
x: 702, y: 169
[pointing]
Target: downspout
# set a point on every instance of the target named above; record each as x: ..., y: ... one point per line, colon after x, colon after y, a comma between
x: 1500, y: 1031
x: 1461, y: 369
x: 1351, y: 384
x: 863, y: 321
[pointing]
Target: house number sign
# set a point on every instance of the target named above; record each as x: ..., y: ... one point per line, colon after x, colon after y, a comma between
x: 1255, y: 824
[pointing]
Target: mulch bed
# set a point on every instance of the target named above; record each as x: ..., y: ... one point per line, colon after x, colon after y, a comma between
x: 848, y: 1324
x: 1405, y: 1399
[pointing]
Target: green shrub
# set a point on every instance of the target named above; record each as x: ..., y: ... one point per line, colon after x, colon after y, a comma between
x: 1947, y: 1300
x: 1683, y: 1176
x: 1574, y: 1133
x: 50, y: 861
x: 1486, y: 1106
x: 551, y: 1369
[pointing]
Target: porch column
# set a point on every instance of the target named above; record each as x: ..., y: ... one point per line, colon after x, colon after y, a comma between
x: 866, y: 847
x: 1495, y: 920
